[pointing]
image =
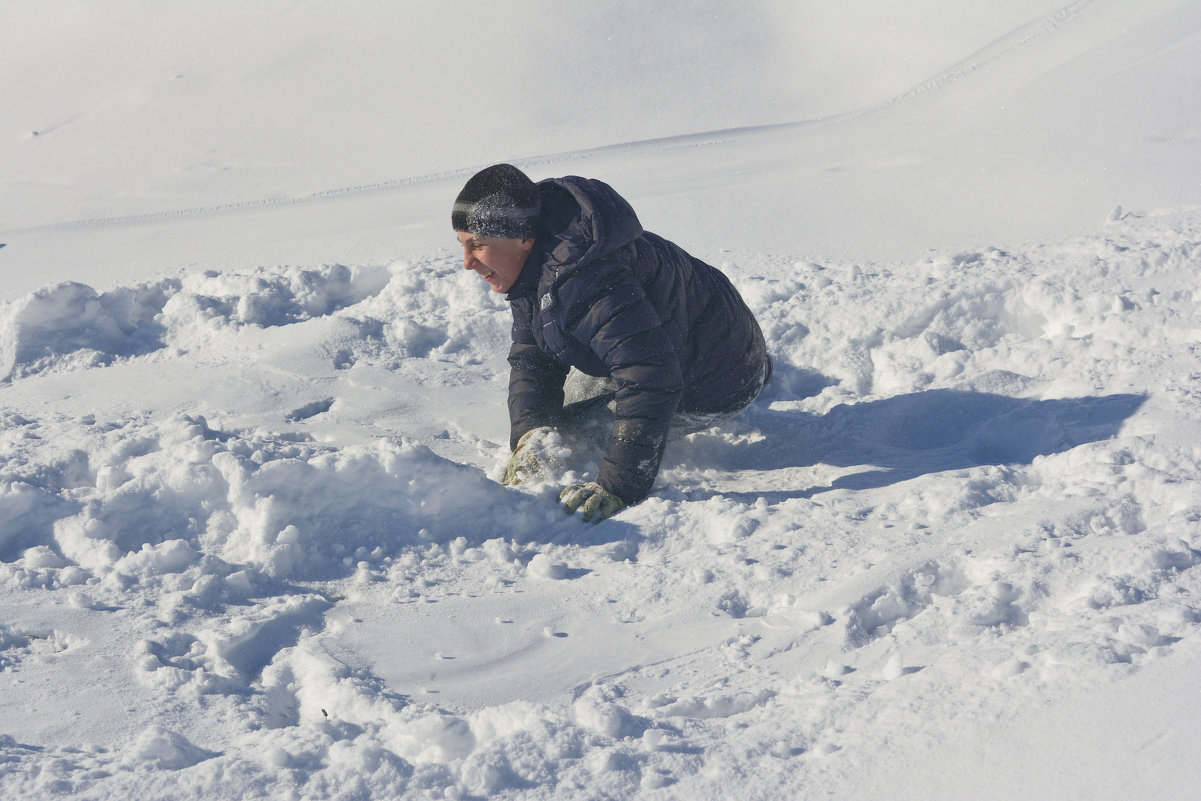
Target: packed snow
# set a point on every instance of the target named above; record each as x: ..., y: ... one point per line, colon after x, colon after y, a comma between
x: 252, y: 417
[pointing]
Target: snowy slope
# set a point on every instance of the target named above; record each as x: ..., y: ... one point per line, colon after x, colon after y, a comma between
x: 251, y: 407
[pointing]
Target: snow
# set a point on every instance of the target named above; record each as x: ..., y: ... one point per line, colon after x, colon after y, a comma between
x: 252, y: 542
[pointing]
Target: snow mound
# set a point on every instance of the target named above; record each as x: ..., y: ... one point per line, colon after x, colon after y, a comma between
x: 165, y: 750
x: 70, y: 326
x: 146, y: 498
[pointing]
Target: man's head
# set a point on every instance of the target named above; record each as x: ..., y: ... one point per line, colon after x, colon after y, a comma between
x: 500, y: 202
x: 496, y: 218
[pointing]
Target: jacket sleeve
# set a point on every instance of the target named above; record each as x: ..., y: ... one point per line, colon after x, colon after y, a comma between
x: 535, y: 380
x: 624, y: 331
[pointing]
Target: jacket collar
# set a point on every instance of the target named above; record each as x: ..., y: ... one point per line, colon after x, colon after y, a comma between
x: 526, y: 285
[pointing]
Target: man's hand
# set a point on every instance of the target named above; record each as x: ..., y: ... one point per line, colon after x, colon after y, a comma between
x: 594, y: 501
x: 524, y: 464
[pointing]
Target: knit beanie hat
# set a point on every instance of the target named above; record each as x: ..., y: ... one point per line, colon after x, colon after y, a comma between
x: 498, y: 201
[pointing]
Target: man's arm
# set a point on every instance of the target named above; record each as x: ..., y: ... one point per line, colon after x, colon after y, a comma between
x: 535, y: 381
x: 624, y: 331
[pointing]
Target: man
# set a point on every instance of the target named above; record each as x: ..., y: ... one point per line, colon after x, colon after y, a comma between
x: 590, y: 289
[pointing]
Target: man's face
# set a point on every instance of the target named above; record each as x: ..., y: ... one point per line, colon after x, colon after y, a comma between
x: 499, y: 261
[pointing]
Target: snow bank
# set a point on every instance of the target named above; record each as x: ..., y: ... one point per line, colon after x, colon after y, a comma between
x: 147, y: 498
x: 71, y: 326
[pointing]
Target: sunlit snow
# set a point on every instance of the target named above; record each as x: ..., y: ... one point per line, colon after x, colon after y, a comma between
x: 252, y: 409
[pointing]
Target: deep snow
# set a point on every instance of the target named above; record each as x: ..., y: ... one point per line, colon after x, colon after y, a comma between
x: 251, y: 407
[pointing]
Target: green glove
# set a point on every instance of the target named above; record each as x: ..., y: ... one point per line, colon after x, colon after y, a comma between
x: 524, y: 464
x: 594, y: 501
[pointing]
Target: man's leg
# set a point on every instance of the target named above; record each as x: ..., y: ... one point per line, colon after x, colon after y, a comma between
x: 590, y: 408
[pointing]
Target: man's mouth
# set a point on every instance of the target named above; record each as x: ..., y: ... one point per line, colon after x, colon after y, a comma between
x: 488, y: 275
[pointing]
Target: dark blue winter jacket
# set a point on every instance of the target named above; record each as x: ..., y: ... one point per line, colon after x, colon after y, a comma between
x: 600, y: 294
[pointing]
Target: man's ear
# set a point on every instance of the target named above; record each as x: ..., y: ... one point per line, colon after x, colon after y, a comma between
x: 527, y: 244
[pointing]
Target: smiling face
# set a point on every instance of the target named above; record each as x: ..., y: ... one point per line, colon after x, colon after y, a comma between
x: 499, y: 261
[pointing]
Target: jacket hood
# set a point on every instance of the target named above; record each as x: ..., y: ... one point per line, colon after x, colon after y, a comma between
x: 587, y: 220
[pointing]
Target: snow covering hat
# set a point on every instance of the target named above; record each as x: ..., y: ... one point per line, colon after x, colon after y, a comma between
x: 499, y: 201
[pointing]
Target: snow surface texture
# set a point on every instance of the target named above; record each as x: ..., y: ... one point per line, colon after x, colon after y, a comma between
x: 252, y: 542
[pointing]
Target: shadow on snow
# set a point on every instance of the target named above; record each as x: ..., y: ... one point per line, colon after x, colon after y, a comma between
x: 916, y: 434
